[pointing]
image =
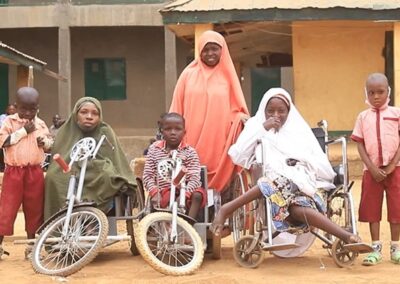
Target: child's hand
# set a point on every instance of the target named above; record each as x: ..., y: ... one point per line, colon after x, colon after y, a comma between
x: 155, y: 200
x: 40, y: 141
x: 378, y: 174
x: 244, y: 117
x: 389, y: 169
x: 30, y: 127
x: 272, y: 122
x: 291, y: 162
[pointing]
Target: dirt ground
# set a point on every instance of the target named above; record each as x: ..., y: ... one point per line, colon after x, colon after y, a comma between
x: 116, y: 265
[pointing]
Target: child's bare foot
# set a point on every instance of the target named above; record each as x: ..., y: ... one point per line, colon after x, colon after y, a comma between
x: 217, y: 226
x: 352, y: 239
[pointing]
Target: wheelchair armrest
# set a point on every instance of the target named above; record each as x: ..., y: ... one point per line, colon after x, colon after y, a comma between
x: 342, y: 140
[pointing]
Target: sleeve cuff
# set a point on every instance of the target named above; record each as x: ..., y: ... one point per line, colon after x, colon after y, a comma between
x: 18, y: 135
x: 153, y: 192
x: 357, y: 138
x: 48, y: 142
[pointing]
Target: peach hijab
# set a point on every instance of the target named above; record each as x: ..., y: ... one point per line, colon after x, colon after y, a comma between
x: 212, y: 102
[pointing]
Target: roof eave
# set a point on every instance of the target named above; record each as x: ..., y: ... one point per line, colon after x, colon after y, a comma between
x: 17, y: 57
x: 275, y: 14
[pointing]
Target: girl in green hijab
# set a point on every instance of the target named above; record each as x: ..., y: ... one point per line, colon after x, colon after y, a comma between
x: 105, y: 175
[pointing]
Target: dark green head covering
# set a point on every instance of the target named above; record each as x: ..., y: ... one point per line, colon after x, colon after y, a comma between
x: 104, y: 176
x: 69, y: 133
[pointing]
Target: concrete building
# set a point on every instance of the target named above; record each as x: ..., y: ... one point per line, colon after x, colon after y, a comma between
x: 129, y: 54
x: 111, y: 49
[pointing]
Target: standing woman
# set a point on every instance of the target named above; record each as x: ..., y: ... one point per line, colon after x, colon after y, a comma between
x: 209, y: 96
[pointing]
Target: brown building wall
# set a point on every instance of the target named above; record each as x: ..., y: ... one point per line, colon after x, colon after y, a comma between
x: 331, y: 61
x: 143, y: 50
x: 40, y: 43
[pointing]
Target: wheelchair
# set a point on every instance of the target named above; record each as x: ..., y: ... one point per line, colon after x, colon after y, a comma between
x: 74, y: 235
x: 252, y: 225
x: 169, y: 240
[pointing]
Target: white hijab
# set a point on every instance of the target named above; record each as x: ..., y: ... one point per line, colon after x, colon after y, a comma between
x: 293, y: 140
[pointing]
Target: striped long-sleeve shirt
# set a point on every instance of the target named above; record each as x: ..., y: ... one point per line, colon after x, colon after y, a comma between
x: 152, y: 181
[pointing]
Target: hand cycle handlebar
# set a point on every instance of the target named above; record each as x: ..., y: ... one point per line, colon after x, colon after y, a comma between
x: 67, y: 167
x: 179, y: 176
x: 62, y: 163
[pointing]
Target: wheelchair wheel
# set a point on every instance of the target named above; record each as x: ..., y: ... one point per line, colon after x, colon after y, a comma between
x: 249, y: 259
x: 178, y: 257
x: 139, y: 200
x: 338, y: 213
x: 137, y: 206
x: 342, y: 256
x: 55, y: 253
x: 242, y: 218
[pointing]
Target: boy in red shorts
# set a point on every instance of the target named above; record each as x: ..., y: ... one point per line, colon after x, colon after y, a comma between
x: 377, y: 135
x: 23, y: 137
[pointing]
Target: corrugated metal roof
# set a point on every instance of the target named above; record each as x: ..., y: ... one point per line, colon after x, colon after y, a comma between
x: 19, y: 53
x: 218, y: 5
x: 10, y: 55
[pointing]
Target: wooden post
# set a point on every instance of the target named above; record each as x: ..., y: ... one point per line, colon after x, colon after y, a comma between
x: 198, y: 31
x: 396, y: 62
x: 30, y: 77
x: 170, y: 66
x: 22, y: 76
x: 64, y: 58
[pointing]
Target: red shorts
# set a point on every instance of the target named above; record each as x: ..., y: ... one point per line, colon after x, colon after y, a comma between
x: 165, y: 193
x: 372, y: 198
x: 22, y: 185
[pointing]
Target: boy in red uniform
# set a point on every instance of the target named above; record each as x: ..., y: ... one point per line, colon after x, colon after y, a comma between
x: 24, y: 137
x: 377, y: 135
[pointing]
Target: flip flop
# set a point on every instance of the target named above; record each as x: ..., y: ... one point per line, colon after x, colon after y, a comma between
x: 358, y: 247
x: 3, y: 252
x: 395, y: 257
x: 372, y: 259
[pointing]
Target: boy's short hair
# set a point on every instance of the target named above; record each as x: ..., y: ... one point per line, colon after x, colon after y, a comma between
x: 377, y: 76
x: 173, y: 115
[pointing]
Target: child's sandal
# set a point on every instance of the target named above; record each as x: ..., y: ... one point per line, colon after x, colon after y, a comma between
x: 372, y: 259
x: 395, y: 257
x: 28, y: 252
x: 3, y: 252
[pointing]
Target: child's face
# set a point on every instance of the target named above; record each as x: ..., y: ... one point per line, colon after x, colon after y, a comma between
x: 278, y: 109
x: 11, y: 110
x: 27, y: 110
x: 377, y: 93
x: 173, y: 131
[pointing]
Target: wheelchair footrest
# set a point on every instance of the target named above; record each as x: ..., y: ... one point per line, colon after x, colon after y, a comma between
x: 284, y: 246
x: 359, y: 248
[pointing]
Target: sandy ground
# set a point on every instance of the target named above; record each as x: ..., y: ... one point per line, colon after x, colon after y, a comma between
x: 116, y: 265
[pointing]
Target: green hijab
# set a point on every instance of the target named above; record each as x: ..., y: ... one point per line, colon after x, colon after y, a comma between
x: 105, y: 175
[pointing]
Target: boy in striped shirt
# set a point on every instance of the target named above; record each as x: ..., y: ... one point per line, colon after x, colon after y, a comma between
x: 173, y: 131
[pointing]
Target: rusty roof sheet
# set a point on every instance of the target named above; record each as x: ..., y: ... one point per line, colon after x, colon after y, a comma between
x: 217, y: 5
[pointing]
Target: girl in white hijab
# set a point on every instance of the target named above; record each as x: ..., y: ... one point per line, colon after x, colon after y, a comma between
x: 296, y: 168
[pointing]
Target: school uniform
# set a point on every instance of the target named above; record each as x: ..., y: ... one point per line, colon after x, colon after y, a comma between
x: 378, y: 130
x: 23, y: 181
